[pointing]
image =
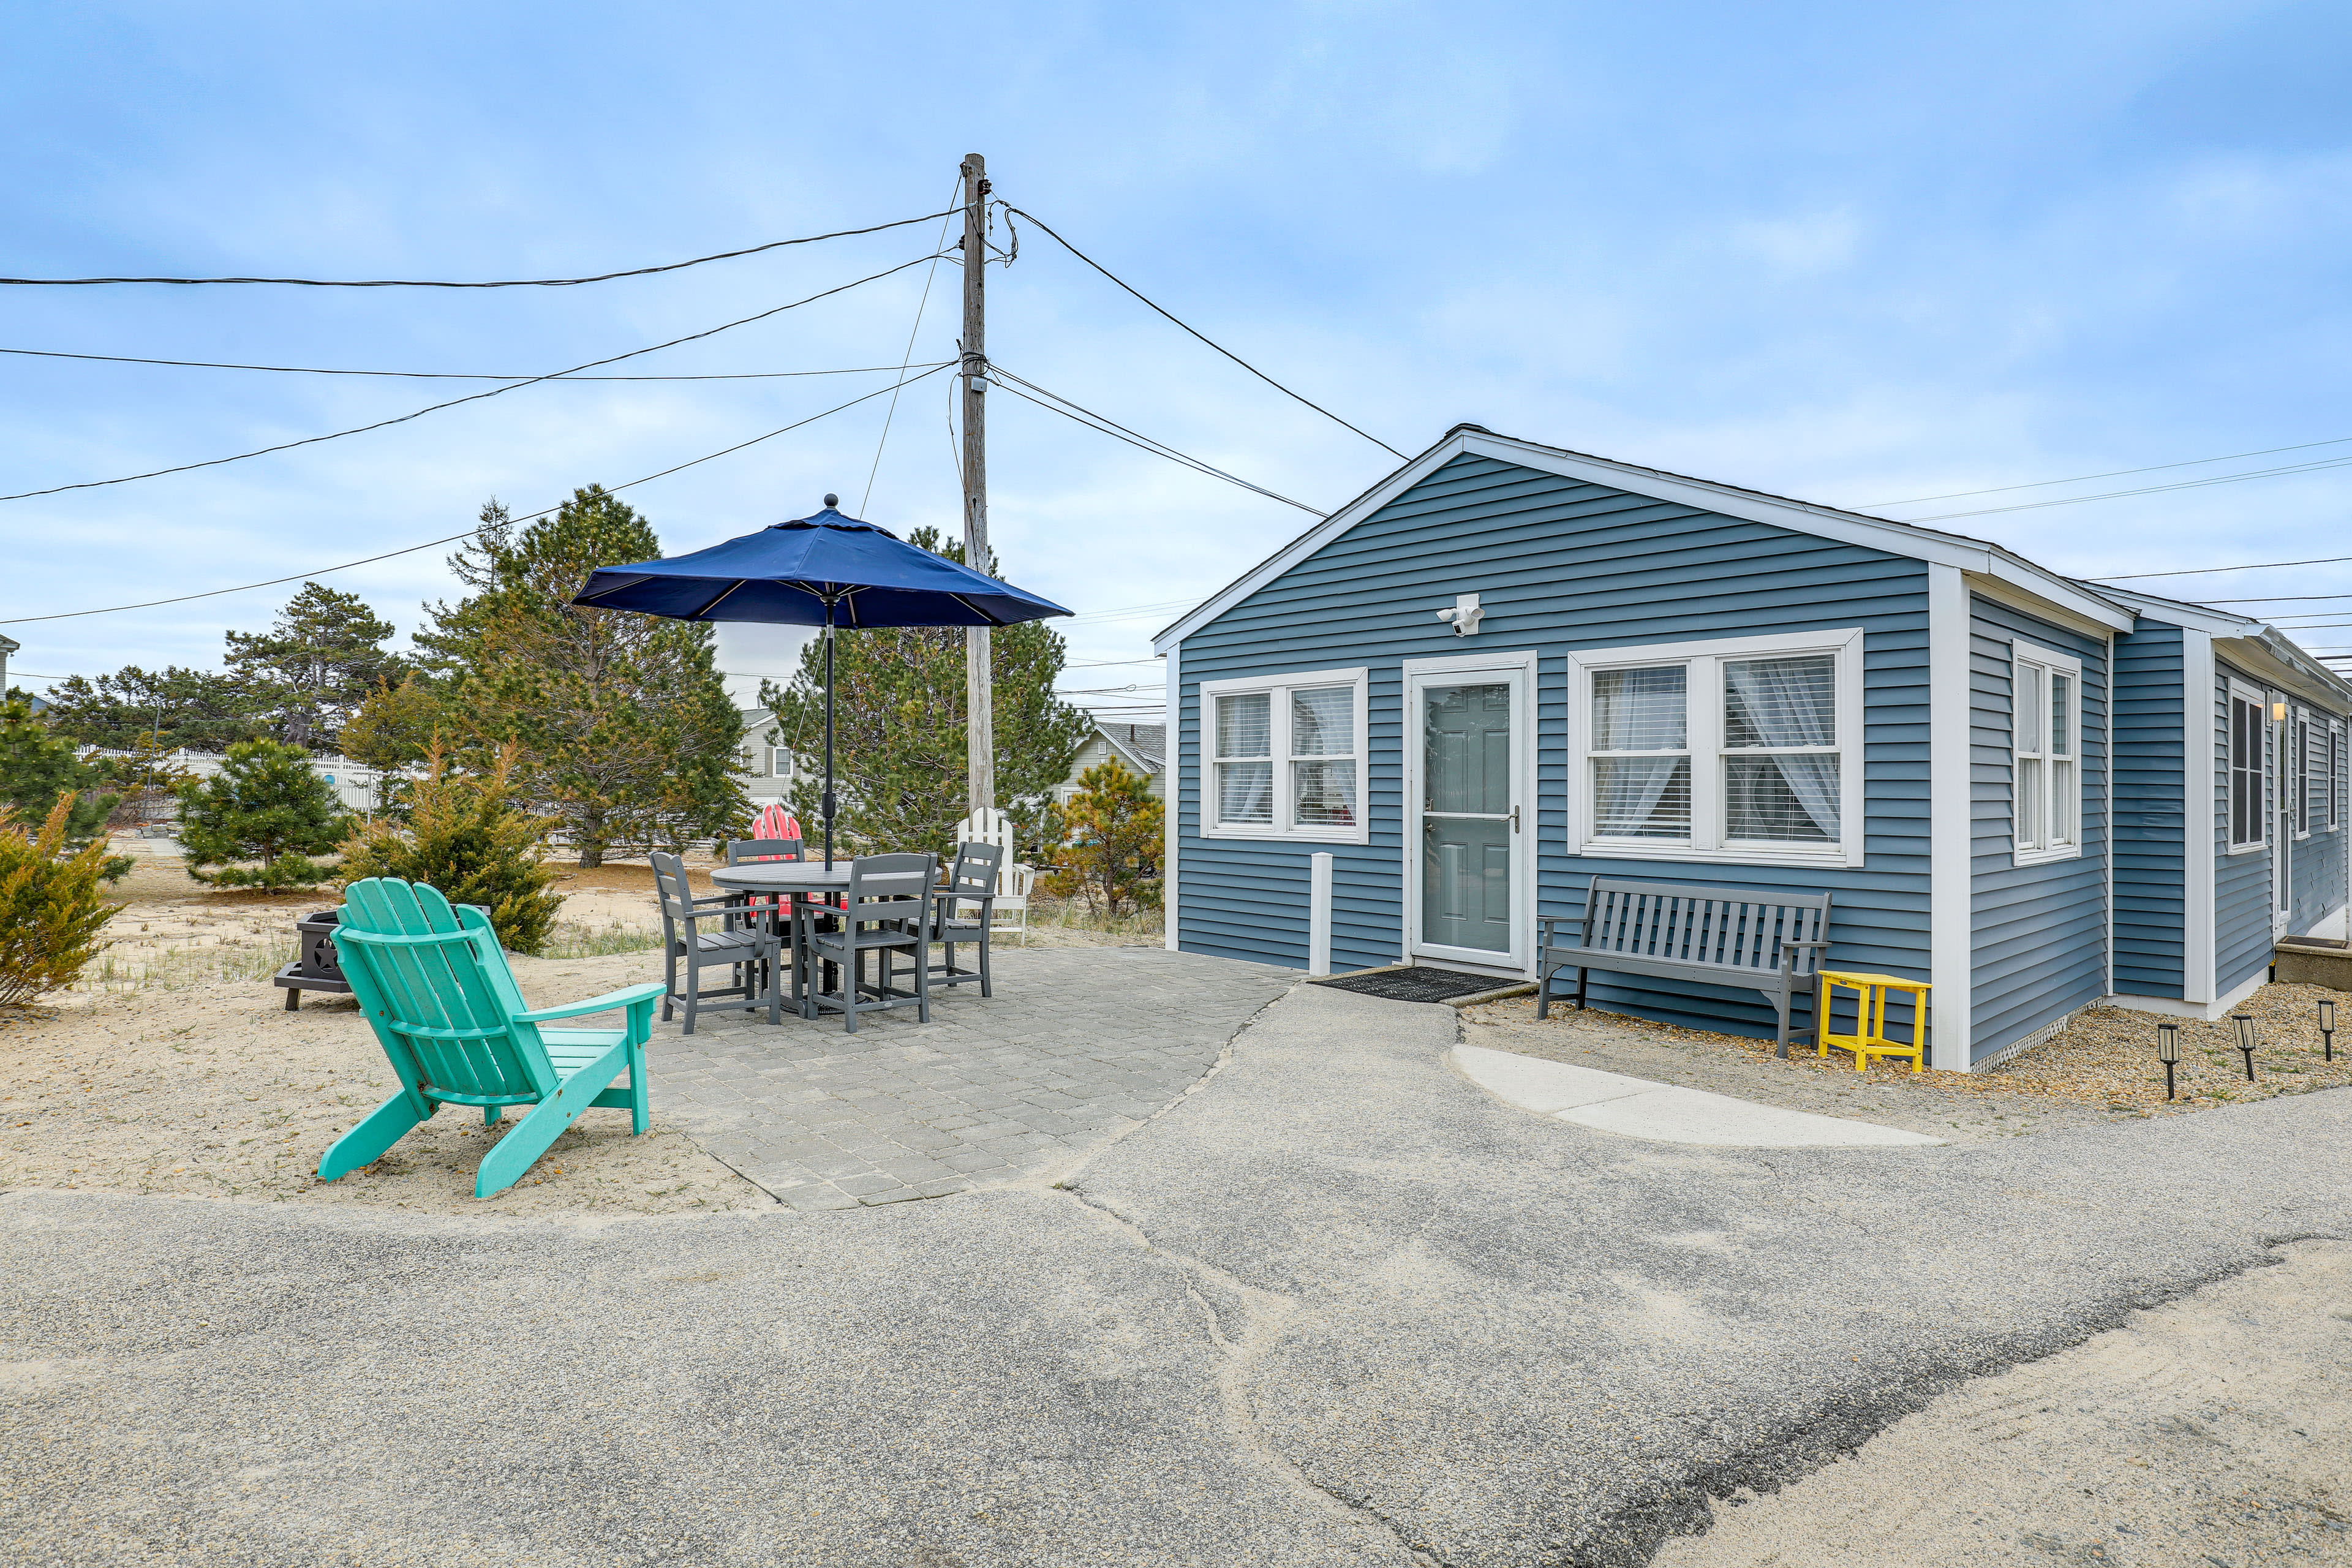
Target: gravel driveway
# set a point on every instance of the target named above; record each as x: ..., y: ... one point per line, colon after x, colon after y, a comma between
x: 1336, y: 1306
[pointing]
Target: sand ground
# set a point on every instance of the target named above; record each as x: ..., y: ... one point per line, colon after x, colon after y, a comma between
x: 2208, y: 1431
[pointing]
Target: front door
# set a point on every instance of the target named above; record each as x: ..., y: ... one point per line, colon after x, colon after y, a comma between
x: 1470, y: 903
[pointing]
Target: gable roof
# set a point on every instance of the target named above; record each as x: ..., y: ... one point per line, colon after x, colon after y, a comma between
x: 1905, y: 539
x: 1143, y: 745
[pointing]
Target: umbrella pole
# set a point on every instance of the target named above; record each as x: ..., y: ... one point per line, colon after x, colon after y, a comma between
x: 828, y: 736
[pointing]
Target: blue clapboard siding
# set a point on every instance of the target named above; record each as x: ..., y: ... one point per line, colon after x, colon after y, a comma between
x: 2241, y: 883
x: 2039, y: 931
x: 1558, y: 564
x: 2150, y: 811
x: 2318, y: 859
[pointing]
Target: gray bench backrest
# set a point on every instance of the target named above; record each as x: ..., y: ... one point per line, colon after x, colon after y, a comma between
x: 1679, y: 923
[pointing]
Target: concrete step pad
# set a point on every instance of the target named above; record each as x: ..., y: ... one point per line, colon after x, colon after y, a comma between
x: 1663, y: 1112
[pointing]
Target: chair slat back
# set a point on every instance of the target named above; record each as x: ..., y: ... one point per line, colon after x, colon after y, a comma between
x: 671, y: 887
x: 973, y: 874
x: 890, y: 886
x: 990, y: 826
x: 738, y: 850
x: 1686, y: 925
x: 437, y: 990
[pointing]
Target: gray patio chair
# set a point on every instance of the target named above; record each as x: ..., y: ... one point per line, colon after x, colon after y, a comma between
x: 785, y: 909
x: 745, y: 945
x: 972, y: 880
x: 886, y: 911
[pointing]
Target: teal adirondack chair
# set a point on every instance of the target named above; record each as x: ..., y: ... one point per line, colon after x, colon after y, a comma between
x: 435, y: 985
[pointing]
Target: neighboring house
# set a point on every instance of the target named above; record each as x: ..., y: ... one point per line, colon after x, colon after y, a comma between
x: 765, y: 768
x: 1141, y: 749
x: 356, y: 784
x: 2034, y: 792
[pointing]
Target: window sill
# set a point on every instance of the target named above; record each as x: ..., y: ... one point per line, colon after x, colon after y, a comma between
x: 2024, y: 857
x: 1832, y: 857
x: 2247, y: 849
x: 1288, y: 835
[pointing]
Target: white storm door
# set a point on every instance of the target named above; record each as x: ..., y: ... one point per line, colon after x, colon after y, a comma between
x: 1470, y: 820
x: 2284, y: 782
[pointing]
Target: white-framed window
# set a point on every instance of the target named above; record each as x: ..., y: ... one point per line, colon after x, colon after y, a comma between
x: 779, y: 761
x: 2045, y: 733
x: 2313, y: 781
x: 2249, y: 818
x: 1285, y: 757
x: 2335, y: 774
x: 1737, y: 749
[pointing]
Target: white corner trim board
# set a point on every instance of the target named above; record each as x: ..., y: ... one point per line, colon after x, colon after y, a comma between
x: 1662, y: 1113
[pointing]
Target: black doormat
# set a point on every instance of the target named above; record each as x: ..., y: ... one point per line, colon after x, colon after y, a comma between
x: 1416, y: 984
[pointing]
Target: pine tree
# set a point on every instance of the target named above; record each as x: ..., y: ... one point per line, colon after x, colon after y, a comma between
x: 469, y: 835
x: 305, y: 675
x: 397, y: 727
x: 1113, y: 836
x: 197, y: 709
x: 900, y: 705
x: 265, y: 806
x: 37, y: 765
x: 627, y: 731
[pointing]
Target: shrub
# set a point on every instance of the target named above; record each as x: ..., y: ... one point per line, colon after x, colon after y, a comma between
x: 37, y: 765
x: 265, y: 806
x: 51, y: 908
x: 1110, y: 847
x: 466, y: 836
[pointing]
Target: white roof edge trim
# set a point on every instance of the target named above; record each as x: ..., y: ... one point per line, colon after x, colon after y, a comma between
x: 1902, y: 539
x: 2291, y: 665
x: 2196, y: 617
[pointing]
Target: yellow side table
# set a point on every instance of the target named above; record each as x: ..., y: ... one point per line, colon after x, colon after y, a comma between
x: 1869, y: 1039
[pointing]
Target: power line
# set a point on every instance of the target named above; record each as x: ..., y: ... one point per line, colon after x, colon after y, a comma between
x: 1093, y: 421
x: 448, y: 374
x: 2276, y: 599
x: 1238, y: 358
x: 452, y: 538
x: 907, y: 358
x: 2142, y: 490
x: 452, y: 402
x: 2205, y: 571
x: 2113, y: 474
x: 506, y: 283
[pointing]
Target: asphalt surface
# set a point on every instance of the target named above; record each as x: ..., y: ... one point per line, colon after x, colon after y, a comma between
x: 1336, y: 1305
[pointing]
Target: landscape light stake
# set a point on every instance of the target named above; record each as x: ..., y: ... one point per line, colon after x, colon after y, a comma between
x: 2245, y: 1022
x: 2167, y: 1051
x: 2328, y: 1030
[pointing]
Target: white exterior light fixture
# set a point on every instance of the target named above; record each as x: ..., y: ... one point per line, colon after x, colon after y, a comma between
x: 1465, y: 617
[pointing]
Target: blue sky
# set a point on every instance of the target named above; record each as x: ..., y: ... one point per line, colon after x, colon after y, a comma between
x: 1851, y: 252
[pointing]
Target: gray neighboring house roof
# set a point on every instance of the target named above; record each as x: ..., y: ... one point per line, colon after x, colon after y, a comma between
x: 1145, y: 746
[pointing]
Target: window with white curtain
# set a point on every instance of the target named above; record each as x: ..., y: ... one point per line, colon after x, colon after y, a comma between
x: 2335, y: 774
x: 2249, y: 822
x: 1285, y: 757
x: 1742, y: 749
x: 2045, y: 737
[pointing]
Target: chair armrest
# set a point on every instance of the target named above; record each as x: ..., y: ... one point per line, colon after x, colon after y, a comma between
x: 1790, y: 945
x: 627, y: 996
x: 1547, y: 921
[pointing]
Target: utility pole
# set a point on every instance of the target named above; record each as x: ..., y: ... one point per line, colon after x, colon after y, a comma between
x: 980, y: 705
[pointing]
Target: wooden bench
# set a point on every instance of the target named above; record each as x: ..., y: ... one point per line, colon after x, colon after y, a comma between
x: 1762, y: 937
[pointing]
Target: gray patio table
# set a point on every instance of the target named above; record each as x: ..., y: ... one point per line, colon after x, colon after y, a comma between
x: 785, y: 878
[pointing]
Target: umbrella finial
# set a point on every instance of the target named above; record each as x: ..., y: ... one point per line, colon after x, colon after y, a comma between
x: 831, y: 499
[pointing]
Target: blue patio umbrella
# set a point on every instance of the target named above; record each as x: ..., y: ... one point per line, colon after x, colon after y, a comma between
x: 823, y: 571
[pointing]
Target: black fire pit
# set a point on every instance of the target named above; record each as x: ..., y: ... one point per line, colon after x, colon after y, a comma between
x: 320, y: 967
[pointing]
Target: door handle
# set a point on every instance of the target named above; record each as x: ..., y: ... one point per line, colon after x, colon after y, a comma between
x: 1515, y: 819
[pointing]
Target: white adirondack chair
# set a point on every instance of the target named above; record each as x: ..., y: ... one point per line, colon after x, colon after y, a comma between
x: 990, y: 826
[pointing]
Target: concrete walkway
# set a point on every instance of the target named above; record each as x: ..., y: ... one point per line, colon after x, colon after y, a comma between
x: 1336, y: 1306
x: 1076, y: 1044
x: 1663, y: 1112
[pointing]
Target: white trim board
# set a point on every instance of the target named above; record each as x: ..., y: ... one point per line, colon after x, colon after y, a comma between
x: 1907, y: 540
x: 2200, y: 845
x: 1951, y: 926
x: 1171, y: 886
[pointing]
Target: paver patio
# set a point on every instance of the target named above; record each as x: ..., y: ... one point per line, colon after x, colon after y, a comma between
x: 1076, y: 1044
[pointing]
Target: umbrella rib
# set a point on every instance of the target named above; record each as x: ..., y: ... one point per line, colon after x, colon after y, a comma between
x: 721, y: 599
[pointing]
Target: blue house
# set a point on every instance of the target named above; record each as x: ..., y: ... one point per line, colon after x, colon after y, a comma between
x: 1506, y: 669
